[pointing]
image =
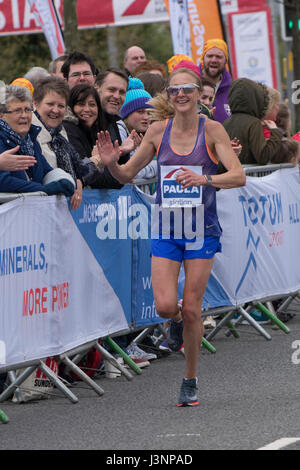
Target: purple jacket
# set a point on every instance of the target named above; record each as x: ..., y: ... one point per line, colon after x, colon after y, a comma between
x: 221, y: 98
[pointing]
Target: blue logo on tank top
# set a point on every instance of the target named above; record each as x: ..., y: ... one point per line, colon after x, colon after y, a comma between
x: 171, y: 188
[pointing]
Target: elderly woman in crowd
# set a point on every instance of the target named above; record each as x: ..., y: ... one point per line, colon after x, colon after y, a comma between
x: 50, y: 100
x: 18, y: 134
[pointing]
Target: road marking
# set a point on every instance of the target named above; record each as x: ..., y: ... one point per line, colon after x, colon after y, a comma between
x: 178, y: 435
x: 280, y: 443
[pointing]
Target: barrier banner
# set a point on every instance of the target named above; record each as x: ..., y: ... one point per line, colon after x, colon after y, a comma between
x: 68, y: 277
x: 261, y: 226
x: 116, y: 226
x: 54, y: 293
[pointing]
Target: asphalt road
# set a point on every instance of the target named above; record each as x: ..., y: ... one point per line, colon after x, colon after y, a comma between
x: 249, y: 397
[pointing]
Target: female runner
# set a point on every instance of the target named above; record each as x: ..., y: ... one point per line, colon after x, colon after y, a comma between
x: 191, y: 146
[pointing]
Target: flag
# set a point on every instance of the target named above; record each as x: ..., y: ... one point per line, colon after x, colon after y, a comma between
x: 45, y: 13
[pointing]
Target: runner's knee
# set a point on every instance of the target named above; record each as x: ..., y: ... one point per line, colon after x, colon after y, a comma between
x: 165, y: 308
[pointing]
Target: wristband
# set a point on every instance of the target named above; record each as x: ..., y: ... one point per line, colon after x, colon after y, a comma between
x: 208, y: 180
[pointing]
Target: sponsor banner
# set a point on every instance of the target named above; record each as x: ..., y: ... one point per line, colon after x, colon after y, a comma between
x: 54, y: 293
x: 17, y: 17
x: 204, y: 23
x: 229, y: 6
x: 252, y: 49
x: 45, y: 13
x: 68, y: 277
x: 180, y: 26
x: 261, y: 226
x: 232, y: 6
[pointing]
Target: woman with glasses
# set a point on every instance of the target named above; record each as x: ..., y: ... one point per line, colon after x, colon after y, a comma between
x: 16, y: 130
x: 188, y: 147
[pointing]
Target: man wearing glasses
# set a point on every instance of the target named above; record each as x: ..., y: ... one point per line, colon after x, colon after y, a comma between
x: 78, y: 69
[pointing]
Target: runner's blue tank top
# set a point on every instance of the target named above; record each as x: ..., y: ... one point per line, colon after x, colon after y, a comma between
x: 198, y: 156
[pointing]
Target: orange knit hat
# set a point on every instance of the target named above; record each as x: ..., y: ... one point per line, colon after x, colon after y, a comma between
x: 25, y: 83
x: 175, y: 59
x: 218, y: 43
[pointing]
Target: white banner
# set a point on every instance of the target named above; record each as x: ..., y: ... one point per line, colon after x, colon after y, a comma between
x: 252, y: 51
x: 46, y: 16
x: 54, y: 294
x: 64, y: 281
x: 180, y: 27
x: 261, y: 226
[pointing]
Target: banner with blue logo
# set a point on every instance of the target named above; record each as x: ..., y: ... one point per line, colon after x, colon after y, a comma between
x: 68, y: 277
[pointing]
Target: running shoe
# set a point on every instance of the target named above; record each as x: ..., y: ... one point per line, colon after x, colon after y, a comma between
x: 188, y: 393
x: 175, y: 339
x: 134, y: 351
x: 141, y: 363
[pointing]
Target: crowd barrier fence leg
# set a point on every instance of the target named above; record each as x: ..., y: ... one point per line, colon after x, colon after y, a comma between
x: 77, y: 354
x: 84, y: 377
x: 235, y: 323
x: 114, y: 362
x: 284, y: 305
x: 9, y: 391
x: 143, y: 334
x: 254, y: 323
x: 57, y: 382
x: 208, y: 346
x: 227, y: 317
x: 272, y: 317
x: 3, y: 417
x: 18, y: 392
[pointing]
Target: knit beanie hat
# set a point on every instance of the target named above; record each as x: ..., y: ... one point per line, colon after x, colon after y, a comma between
x: 212, y: 43
x: 136, y: 98
x: 187, y: 64
x: 23, y: 82
x: 175, y: 59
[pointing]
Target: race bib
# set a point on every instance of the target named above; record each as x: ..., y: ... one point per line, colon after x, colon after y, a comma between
x: 172, y: 192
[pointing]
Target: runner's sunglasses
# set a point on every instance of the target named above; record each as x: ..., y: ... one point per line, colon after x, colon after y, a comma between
x: 187, y: 89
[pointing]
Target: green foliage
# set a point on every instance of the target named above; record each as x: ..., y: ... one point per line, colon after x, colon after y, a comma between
x: 19, y: 53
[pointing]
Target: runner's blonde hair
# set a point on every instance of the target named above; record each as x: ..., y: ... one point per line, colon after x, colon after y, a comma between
x: 162, y: 107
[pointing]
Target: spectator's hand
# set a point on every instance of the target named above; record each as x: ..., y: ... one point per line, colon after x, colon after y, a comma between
x: 132, y: 142
x: 269, y: 124
x: 213, y: 110
x: 11, y: 162
x: 95, y: 158
x: 108, y: 152
x: 236, y: 146
x: 77, y: 196
x: 63, y: 186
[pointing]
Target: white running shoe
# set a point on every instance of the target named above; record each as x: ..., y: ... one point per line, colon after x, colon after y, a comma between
x: 138, y: 353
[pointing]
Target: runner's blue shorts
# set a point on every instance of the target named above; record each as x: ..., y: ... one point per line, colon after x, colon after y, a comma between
x: 178, y: 249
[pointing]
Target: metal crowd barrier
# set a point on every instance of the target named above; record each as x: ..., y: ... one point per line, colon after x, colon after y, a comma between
x: 225, y: 315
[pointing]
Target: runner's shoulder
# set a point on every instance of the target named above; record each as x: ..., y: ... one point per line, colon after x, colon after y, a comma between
x: 156, y: 130
x: 214, y: 129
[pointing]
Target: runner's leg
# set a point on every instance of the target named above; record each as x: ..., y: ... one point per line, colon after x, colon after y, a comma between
x: 197, y: 272
x: 165, y: 274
